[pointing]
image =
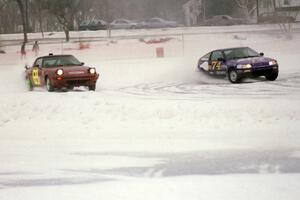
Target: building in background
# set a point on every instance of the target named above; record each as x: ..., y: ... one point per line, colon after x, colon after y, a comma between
x: 282, y: 7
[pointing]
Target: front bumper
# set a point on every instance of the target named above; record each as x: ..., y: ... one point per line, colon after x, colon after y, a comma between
x: 61, y: 81
x: 257, y: 71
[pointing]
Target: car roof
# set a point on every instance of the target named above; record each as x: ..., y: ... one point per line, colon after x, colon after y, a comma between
x: 51, y: 56
x: 229, y: 49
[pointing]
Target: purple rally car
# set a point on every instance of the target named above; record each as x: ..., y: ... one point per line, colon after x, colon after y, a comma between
x: 238, y: 63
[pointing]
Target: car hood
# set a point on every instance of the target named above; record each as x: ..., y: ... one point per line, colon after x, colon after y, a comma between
x: 255, y: 61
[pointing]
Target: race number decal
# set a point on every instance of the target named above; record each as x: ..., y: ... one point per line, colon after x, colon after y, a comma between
x: 216, y: 65
x: 35, y: 76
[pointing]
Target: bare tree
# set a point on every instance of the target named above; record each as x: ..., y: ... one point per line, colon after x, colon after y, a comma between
x: 2, y: 5
x: 64, y: 11
x: 23, y: 6
x: 39, y: 8
x: 287, y: 25
x: 9, y: 16
x: 247, y: 7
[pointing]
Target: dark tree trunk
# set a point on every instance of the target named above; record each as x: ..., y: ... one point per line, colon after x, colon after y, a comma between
x: 274, y: 5
x: 41, y: 24
x: 24, y: 21
x: 26, y: 15
x: 67, y: 33
x: 63, y: 21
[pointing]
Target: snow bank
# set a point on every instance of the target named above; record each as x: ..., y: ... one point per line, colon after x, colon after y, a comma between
x: 112, y: 143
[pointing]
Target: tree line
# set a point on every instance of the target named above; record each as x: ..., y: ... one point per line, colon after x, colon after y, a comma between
x: 66, y: 15
x: 53, y: 15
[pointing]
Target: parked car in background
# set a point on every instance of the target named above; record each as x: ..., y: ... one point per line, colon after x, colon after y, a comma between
x: 95, y: 24
x: 98, y: 24
x: 84, y: 25
x: 123, y: 24
x: 275, y: 18
x: 158, y: 23
x: 60, y: 71
x: 223, y: 20
x: 238, y: 63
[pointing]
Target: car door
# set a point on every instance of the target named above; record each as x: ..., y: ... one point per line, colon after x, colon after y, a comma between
x: 216, y: 63
x: 36, y: 72
x: 156, y: 23
x: 115, y: 24
x: 124, y: 24
x: 203, y: 62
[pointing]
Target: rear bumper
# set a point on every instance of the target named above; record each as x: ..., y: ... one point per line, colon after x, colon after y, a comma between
x: 60, y: 82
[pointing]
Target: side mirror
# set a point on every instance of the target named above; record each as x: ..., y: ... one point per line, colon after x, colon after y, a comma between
x: 261, y: 54
x: 26, y: 67
x: 82, y: 63
x: 221, y: 59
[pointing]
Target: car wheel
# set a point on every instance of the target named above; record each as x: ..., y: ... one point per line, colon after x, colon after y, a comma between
x: 29, y: 84
x: 272, y: 77
x: 49, y: 85
x: 233, y: 76
x: 92, y: 87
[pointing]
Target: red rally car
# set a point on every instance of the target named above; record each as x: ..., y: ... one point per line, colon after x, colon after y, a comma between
x: 60, y: 71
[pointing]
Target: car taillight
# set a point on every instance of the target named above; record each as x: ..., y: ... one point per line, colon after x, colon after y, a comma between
x: 60, y: 72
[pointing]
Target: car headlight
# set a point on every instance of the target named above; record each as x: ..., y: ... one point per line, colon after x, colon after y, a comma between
x: 92, y: 70
x: 60, y: 72
x: 247, y: 66
x: 273, y: 62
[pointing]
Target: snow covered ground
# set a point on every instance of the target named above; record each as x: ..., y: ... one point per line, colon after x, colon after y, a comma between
x: 155, y: 128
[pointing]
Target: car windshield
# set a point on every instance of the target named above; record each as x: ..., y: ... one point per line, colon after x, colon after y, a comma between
x: 61, y: 61
x: 240, y: 53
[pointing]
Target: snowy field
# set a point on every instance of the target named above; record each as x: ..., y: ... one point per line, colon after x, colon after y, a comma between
x: 155, y: 128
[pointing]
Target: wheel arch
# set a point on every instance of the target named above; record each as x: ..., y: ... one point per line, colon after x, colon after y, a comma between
x: 230, y: 68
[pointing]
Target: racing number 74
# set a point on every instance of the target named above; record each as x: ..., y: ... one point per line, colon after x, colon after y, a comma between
x: 215, y: 65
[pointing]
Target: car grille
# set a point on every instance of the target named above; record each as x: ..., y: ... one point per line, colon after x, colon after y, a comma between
x: 262, y: 71
x: 261, y: 65
x: 77, y: 82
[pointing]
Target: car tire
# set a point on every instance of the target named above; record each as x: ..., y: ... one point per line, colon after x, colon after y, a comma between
x: 233, y: 76
x: 272, y: 77
x: 49, y: 85
x: 92, y: 87
x: 29, y: 84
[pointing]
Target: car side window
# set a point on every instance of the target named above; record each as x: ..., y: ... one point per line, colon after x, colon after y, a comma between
x: 216, y: 55
x: 206, y: 57
x: 49, y: 62
x: 38, y: 62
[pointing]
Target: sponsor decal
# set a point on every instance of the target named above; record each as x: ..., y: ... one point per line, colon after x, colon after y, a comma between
x: 35, y: 76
